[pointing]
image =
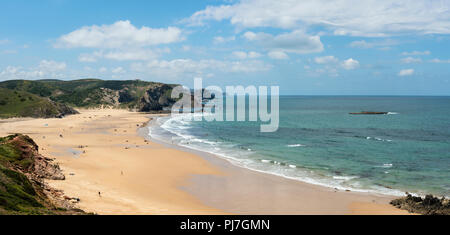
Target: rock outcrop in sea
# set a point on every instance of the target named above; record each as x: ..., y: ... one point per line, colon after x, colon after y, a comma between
x: 429, y: 205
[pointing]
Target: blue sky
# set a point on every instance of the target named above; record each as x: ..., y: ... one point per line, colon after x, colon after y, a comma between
x: 307, y: 47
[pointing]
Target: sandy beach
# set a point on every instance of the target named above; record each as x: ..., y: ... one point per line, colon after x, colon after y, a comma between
x: 114, y: 170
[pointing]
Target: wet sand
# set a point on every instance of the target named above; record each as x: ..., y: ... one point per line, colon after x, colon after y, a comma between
x: 243, y: 191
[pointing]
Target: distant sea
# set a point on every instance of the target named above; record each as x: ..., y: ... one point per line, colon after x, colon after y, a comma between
x: 318, y: 142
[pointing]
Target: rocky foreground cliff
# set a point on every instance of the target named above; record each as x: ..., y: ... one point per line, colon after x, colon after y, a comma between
x: 23, y: 172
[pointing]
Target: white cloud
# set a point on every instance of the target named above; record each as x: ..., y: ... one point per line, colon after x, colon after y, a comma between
x: 118, y: 35
x: 219, y: 39
x: 411, y: 60
x: 118, y: 70
x: 406, y: 72
x: 4, y: 41
x: 361, y: 18
x: 45, y: 69
x: 278, y: 55
x: 88, y: 58
x: 350, y: 64
x: 240, y: 54
x: 187, y: 67
x: 381, y: 44
x: 330, y: 65
x: 293, y: 42
x: 50, y: 65
x: 253, y: 55
x: 326, y: 59
x: 123, y: 55
x: 130, y: 55
x: 246, y: 55
x: 103, y: 70
x: 417, y: 53
x: 361, y: 44
x: 439, y: 61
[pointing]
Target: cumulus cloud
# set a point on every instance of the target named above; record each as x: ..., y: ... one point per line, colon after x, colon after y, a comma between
x: 411, y: 60
x: 187, y: 67
x: 89, y: 58
x: 220, y: 39
x: 50, y: 65
x: 361, y: 18
x: 381, y: 44
x: 123, y: 55
x: 326, y: 59
x: 118, y: 35
x: 293, y: 42
x: 246, y: 55
x: 439, y: 61
x: 118, y: 70
x: 406, y: 72
x: 45, y: 69
x: 416, y: 53
x: 350, y: 64
x: 330, y: 65
x: 278, y: 55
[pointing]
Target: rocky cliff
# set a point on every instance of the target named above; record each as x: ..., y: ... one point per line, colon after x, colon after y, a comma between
x: 87, y: 93
x: 23, y: 172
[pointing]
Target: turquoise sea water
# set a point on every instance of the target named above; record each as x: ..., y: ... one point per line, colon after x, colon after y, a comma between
x: 319, y: 142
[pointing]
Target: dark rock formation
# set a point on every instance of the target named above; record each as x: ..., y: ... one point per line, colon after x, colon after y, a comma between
x: 156, y: 98
x: 429, y: 205
x: 125, y: 96
x: 64, y: 110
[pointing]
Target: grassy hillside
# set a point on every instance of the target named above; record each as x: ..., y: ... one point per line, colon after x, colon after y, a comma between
x: 21, y: 189
x: 132, y: 94
x: 18, y: 103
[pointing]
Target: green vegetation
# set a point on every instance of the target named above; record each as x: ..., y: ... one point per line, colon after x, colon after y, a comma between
x: 53, y: 98
x: 17, y: 103
x: 21, y: 186
x: 17, y: 193
x: 94, y: 92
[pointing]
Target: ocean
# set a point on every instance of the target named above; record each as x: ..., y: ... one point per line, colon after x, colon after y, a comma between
x: 319, y: 142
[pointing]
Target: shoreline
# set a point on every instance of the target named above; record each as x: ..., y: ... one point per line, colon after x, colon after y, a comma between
x: 101, y: 151
x: 242, y: 196
x: 208, y: 155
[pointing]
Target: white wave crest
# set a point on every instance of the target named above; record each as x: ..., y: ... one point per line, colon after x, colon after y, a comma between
x: 295, y: 145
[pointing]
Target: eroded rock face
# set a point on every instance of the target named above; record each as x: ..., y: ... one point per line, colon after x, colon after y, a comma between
x: 37, y: 165
x: 24, y: 170
x: 429, y: 205
x: 155, y: 99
